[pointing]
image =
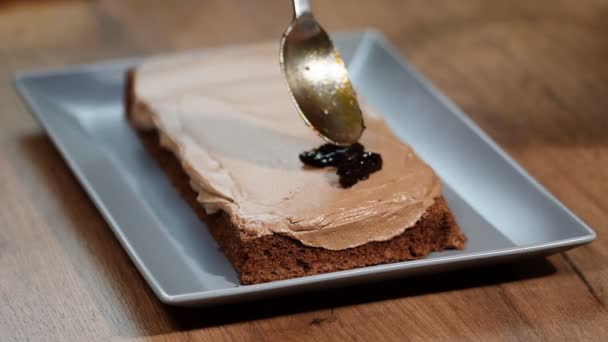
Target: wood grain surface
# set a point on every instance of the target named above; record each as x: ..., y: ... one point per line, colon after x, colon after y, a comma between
x: 533, y: 74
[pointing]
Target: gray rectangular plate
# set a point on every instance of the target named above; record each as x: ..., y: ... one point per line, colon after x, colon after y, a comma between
x: 504, y: 212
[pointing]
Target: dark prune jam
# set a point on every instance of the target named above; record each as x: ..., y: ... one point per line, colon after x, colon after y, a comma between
x: 352, y: 162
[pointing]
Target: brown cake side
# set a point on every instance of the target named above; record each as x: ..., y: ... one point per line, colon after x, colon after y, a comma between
x: 276, y: 257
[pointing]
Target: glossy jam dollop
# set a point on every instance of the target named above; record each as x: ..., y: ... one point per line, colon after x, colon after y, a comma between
x: 352, y: 162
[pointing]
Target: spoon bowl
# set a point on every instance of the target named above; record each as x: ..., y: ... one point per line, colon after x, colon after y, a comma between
x: 318, y: 80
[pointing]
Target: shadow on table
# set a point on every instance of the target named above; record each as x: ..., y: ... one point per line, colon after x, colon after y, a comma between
x: 154, y: 318
x: 195, y: 318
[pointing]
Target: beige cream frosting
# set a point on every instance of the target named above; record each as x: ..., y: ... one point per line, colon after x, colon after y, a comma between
x: 228, y: 116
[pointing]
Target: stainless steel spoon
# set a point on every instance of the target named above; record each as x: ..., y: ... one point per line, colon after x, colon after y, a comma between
x: 318, y: 80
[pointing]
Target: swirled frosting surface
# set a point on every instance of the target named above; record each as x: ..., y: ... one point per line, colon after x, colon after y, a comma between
x: 228, y: 117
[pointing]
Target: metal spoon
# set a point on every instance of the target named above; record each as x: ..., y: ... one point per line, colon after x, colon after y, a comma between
x: 318, y: 80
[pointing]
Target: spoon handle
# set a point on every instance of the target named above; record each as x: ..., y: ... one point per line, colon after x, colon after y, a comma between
x: 301, y: 7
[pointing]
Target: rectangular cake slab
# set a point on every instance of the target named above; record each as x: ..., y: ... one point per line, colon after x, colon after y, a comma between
x: 503, y: 211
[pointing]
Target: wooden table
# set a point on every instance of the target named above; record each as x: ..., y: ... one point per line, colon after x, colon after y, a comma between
x: 533, y: 74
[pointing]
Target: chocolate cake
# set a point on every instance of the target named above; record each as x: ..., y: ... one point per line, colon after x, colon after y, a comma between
x: 222, y: 125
